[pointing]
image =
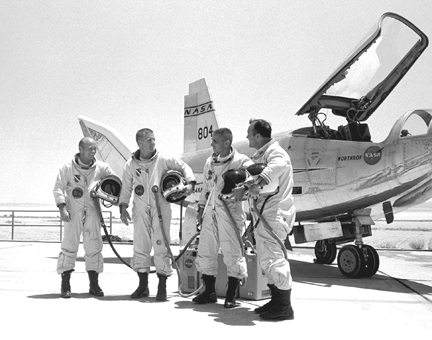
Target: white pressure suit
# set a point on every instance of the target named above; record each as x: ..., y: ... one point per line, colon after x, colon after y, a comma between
x: 218, y: 230
x: 278, y: 211
x: 139, y: 176
x: 72, y: 187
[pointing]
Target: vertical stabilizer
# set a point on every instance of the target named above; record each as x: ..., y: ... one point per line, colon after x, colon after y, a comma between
x: 199, y: 117
x: 112, y: 148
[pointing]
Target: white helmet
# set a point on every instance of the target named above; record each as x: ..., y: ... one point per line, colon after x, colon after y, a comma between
x: 173, y: 186
x: 107, y: 189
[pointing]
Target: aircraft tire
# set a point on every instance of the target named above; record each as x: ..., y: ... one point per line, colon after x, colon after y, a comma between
x: 371, y: 261
x: 350, y: 261
x: 325, y: 252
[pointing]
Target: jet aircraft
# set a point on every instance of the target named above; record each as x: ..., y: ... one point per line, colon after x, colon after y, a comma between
x: 343, y: 180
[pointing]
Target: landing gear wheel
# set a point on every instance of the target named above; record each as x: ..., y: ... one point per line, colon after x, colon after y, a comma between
x: 350, y: 261
x: 371, y: 261
x: 325, y: 252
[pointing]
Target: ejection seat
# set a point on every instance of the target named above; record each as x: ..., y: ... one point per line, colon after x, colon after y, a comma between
x: 355, y: 132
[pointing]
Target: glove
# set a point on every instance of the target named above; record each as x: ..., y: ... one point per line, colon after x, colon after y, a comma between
x: 238, y: 193
x: 124, y: 215
x: 188, y: 189
x: 64, y: 214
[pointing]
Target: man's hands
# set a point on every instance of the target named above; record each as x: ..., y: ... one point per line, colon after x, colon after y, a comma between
x: 125, y: 217
x: 238, y: 193
x: 189, y: 189
x: 64, y: 214
x: 124, y: 214
x: 254, y: 190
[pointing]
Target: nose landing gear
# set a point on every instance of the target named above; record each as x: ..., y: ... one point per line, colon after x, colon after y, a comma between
x: 325, y: 252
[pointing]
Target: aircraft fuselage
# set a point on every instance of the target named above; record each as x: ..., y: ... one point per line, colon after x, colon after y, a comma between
x: 333, y: 177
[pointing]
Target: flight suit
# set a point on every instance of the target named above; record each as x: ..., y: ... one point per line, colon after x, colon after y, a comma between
x: 139, y: 176
x: 279, y: 212
x: 72, y: 187
x: 217, y: 227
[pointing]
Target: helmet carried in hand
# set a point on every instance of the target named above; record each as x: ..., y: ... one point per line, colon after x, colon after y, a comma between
x: 255, y: 170
x: 232, y: 179
x: 107, y: 189
x: 173, y: 186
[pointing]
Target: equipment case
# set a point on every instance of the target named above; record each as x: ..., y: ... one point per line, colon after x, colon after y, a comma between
x: 253, y: 288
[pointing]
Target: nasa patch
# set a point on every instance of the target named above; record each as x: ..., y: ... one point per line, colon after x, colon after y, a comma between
x: 77, y: 192
x: 139, y: 190
x: 372, y: 155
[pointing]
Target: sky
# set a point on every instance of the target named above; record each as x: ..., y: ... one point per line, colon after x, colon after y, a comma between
x: 128, y: 64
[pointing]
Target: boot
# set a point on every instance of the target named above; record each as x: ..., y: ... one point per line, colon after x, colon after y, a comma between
x: 142, y: 290
x: 209, y: 294
x: 94, y: 284
x: 269, y: 304
x: 230, y: 301
x: 161, y: 292
x: 65, y: 291
x: 282, y: 310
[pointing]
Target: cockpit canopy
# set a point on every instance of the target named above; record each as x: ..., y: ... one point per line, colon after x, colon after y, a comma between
x: 372, y: 70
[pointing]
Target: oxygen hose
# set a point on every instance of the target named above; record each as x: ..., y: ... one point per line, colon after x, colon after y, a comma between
x: 186, y: 246
x: 155, y: 190
x: 269, y: 229
x: 99, y: 211
x: 178, y: 271
x: 234, y: 225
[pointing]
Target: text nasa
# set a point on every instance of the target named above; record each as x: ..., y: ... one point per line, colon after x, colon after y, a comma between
x: 198, y: 110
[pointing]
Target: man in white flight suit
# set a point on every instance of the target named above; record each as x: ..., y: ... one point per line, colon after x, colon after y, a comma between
x: 77, y: 209
x: 141, y: 172
x: 218, y: 230
x: 278, y: 210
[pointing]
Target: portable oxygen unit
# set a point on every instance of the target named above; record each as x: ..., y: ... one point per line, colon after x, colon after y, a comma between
x: 254, y: 287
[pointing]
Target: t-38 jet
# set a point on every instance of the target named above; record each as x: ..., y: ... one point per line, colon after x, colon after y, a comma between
x: 343, y: 180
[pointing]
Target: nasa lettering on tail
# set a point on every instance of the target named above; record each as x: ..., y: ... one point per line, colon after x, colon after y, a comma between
x: 198, y: 110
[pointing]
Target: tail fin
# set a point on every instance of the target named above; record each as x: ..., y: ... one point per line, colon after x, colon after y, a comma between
x: 112, y: 148
x: 200, y: 118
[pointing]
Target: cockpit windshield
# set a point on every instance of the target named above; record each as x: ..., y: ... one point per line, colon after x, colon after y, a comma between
x: 360, y: 84
x: 376, y: 63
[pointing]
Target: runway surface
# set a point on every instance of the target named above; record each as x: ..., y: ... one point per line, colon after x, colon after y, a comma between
x: 395, y: 303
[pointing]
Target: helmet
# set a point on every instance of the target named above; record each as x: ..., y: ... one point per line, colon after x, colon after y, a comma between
x: 107, y: 189
x: 254, y: 170
x: 173, y: 184
x: 233, y: 178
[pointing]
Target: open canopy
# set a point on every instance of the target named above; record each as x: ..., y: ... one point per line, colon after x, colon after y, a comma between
x: 369, y: 74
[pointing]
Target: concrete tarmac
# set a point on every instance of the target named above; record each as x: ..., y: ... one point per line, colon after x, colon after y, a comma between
x: 395, y: 303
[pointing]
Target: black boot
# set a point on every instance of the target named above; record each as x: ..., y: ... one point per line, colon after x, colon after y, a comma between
x: 142, y: 290
x: 282, y: 310
x: 269, y: 304
x: 209, y: 294
x: 161, y: 292
x: 94, y: 284
x: 65, y: 291
x: 230, y: 301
